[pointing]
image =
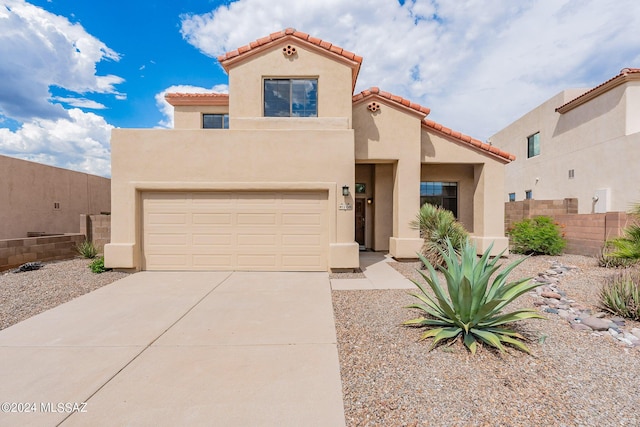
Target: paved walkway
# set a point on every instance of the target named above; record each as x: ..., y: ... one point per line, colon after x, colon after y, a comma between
x: 379, y: 275
x: 169, y: 349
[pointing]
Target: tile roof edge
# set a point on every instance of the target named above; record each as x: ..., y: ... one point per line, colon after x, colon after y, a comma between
x: 625, y: 75
x: 259, y: 44
x: 466, y: 139
x: 208, y: 98
x: 398, y: 100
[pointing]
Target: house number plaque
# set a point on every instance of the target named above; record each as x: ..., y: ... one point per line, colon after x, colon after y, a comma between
x: 345, y: 206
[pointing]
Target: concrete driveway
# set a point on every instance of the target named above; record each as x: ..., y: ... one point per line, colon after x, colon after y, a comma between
x: 169, y: 348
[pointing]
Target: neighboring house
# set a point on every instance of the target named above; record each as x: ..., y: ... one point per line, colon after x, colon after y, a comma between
x: 291, y: 171
x: 582, y: 143
x: 36, y: 198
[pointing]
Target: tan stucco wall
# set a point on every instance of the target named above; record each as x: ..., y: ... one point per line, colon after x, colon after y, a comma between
x: 393, y: 135
x: 599, y: 140
x: 29, y: 190
x: 463, y: 175
x: 229, y: 160
x: 190, y: 116
x: 383, y: 205
x: 487, y: 217
x: 246, y: 81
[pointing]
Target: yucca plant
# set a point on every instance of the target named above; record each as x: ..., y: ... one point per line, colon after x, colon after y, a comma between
x: 472, y: 306
x: 621, y: 295
x: 627, y: 247
x: 436, y: 225
x: 87, y: 249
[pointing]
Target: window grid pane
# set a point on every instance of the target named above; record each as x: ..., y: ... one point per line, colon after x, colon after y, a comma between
x: 443, y: 194
x: 215, y: 121
x: 291, y: 98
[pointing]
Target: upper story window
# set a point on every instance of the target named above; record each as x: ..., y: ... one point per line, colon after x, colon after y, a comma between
x: 443, y: 194
x: 512, y: 197
x: 291, y: 97
x: 215, y: 121
x: 533, y: 145
x: 528, y: 194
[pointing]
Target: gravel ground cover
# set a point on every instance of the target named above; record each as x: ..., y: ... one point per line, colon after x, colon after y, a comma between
x: 574, y: 378
x: 389, y: 378
x: 26, y: 294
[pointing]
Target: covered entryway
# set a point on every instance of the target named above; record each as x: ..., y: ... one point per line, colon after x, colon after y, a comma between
x: 242, y: 230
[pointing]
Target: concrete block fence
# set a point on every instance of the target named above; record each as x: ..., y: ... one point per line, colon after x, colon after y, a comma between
x: 97, y: 228
x: 15, y: 252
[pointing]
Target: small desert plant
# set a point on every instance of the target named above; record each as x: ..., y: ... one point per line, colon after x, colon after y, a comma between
x: 97, y: 265
x: 536, y: 236
x: 436, y: 225
x: 621, y: 295
x: 626, y: 249
x: 609, y: 260
x: 86, y: 249
x: 473, y: 307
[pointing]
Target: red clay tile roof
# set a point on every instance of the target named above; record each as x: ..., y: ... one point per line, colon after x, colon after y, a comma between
x: 625, y: 75
x: 291, y: 33
x: 467, y: 140
x: 374, y: 91
x: 197, y: 98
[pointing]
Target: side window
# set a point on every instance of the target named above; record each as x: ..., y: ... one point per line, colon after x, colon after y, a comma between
x: 533, y: 145
x: 528, y: 194
x: 512, y: 197
x: 443, y: 194
x: 291, y: 97
x: 215, y: 121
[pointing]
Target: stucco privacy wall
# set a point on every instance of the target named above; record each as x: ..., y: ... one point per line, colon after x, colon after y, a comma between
x: 193, y: 160
x: 40, y: 198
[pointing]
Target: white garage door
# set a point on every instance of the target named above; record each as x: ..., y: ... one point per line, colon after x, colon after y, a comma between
x: 278, y: 231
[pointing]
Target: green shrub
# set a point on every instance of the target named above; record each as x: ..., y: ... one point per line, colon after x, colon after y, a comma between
x: 621, y: 295
x: 472, y: 306
x: 609, y: 260
x: 86, y: 249
x: 625, y: 250
x: 436, y: 225
x: 537, y: 236
x: 97, y: 265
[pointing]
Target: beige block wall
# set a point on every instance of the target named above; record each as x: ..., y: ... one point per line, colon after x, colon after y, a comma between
x: 29, y: 191
x: 15, y: 252
x: 229, y: 160
x: 246, y: 81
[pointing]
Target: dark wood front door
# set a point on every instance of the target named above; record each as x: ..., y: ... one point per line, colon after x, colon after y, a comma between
x: 360, y: 224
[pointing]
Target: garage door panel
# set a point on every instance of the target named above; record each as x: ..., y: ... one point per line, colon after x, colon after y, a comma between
x: 165, y: 239
x: 212, y: 240
x: 235, y: 230
x: 249, y: 240
x: 212, y: 218
x: 257, y: 219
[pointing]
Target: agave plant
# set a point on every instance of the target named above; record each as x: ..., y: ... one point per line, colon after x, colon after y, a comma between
x: 626, y: 249
x: 472, y: 307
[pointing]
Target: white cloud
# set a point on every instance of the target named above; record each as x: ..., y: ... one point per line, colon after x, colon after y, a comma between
x: 80, y: 102
x: 477, y: 64
x: 39, y: 50
x: 80, y: 142
x: 167, y: 109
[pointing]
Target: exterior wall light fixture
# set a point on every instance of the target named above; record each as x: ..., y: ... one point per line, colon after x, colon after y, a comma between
x: 370, y: 201
x: 345, y: 190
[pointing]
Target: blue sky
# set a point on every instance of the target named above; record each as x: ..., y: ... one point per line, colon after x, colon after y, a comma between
x: 71, y: 70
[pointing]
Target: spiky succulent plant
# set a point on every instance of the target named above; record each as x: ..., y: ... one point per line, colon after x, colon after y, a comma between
x: 473, y: 303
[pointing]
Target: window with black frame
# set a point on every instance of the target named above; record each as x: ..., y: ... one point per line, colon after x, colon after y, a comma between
x: 291, y: 97
x: 443, y: 194
x: 215, y: 121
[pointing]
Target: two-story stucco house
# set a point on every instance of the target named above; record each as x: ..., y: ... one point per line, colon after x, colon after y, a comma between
x: 292, y: 171
x: 581, y: 143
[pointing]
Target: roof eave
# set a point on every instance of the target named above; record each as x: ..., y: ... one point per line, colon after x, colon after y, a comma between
x: 599, y: 90
x: 179, y: 99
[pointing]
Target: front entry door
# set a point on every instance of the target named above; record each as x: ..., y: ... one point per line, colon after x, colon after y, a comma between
x: 360, y: 224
